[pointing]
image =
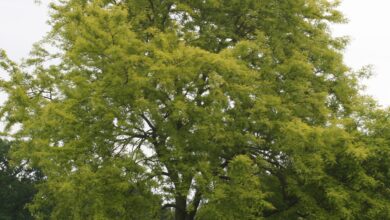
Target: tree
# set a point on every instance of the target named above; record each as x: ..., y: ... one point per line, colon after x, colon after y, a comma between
x: 16, y: 186
x: 168, y: 106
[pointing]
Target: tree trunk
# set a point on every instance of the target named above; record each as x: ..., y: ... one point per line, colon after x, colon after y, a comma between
x: 181, y: 208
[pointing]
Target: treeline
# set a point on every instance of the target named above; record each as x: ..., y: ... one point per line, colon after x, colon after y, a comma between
x: 17, y: 186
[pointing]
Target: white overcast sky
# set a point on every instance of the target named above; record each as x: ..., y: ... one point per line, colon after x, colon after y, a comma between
x: 22, y: 23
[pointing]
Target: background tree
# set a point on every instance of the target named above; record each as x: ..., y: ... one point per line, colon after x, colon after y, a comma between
x: 16, y: 186
x: 160, y: 106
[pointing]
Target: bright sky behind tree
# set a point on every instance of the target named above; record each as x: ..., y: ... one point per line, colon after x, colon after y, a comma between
x: 22, y: 22
x: 369, y: 33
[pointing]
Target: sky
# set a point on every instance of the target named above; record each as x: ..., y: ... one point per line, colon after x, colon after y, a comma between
x: 22, y: 22
x: 369, y: 31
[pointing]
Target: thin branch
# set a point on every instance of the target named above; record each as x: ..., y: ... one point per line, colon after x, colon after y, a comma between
x: 195, y: 204
x: 148, y: 122
x: 151, y: 19
x: 168, y: 205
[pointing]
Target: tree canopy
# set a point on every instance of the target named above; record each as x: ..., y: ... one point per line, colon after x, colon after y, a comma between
x: 188, y: 109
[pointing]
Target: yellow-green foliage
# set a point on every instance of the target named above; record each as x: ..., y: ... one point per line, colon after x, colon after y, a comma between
x: 217, y: 109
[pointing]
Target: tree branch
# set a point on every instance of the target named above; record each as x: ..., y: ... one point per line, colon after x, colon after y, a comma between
x: 195, y: 204
x: 168, y: 205
x: 150, y: 124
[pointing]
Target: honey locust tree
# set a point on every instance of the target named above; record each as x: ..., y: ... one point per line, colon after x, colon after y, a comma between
x: 215, y: 109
